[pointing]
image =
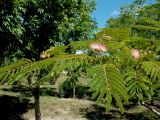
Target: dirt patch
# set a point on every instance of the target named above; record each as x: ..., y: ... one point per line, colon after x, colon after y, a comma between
x: 53, y: 108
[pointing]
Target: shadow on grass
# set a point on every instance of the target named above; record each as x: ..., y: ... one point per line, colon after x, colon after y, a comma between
x: 25, y: 91
x: 98, y: 113
x: 12, y: 108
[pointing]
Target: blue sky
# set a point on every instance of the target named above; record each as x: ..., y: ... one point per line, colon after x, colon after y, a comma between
x: 108, y: 8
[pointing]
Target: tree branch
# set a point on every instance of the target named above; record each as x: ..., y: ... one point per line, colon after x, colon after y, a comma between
x: 151, y: 108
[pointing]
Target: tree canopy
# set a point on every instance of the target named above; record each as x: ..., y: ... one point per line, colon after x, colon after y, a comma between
x: 29, y: 27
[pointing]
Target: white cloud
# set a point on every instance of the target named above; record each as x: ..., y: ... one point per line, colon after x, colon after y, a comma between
x: 114, y: 13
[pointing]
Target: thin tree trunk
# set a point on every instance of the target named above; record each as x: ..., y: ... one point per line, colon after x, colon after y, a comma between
x: 36, y: 93
x: 74, y: 92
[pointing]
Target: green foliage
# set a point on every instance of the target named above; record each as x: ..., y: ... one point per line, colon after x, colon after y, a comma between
x: 45, y: 27
x: 152, y: 68
x: 151, y: 11
x: 143, y: 34
x: 11, y: 29
x: 138, y: 42
x: 80, y: 45
x: 68, y: 86
x: 148, y: 22
x: 117, y: 34
x: 107, y: 74
x: 31, y: 27
x: 57, y: 50
x: 107, y: 82
x: 128, y: 15
x: 119, y: 43
x: 146, y: 31
x: 24, y: 68
x: 138, y: 85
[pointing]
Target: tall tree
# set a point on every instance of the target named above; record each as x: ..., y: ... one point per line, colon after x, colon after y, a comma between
x: 128, y: 15
x: 33, y: 26
x: 29, y: 27
x: 49, y: 22
x: 11, y: 27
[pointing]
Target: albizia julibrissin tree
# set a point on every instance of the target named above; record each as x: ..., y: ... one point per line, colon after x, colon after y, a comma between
x: 115, y: 62
x: 123, y: 64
